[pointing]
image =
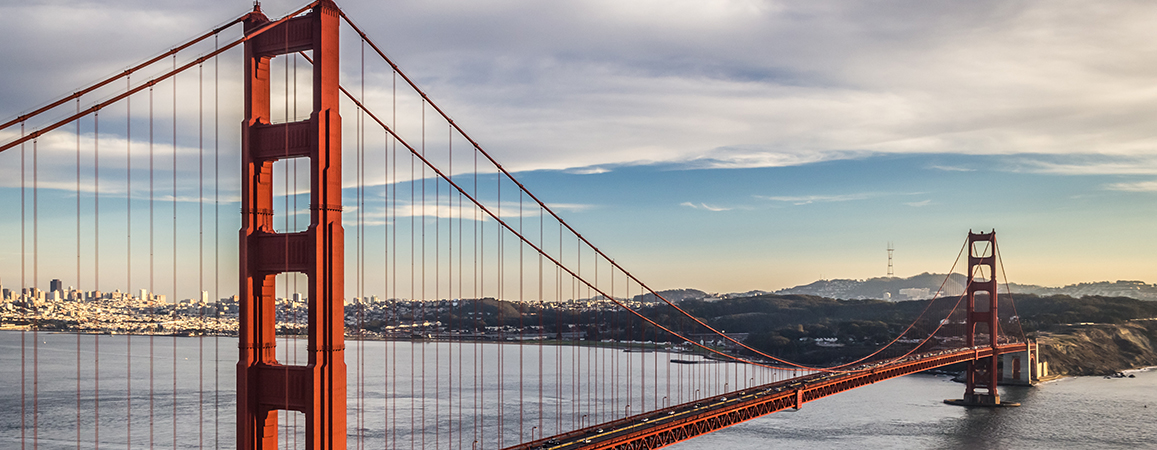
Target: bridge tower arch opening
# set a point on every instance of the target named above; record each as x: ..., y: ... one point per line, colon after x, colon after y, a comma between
x: 317, y: 389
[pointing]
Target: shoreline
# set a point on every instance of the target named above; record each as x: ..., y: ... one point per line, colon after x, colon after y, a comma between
x: 706, y: 358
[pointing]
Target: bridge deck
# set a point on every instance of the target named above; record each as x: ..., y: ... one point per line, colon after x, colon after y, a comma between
x: 667, y: 426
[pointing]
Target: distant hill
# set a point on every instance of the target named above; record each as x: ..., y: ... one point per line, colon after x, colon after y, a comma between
x: 926, y: 285
x: 1121, y: 288
x: 673, y: 295
x: 919, y: 287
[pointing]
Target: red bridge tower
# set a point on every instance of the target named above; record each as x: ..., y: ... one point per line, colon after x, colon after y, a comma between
x: 264, y: 386
x: 981, y: 373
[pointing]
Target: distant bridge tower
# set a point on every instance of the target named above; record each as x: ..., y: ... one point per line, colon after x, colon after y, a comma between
x: 981, y: 375
x: 264, y: 386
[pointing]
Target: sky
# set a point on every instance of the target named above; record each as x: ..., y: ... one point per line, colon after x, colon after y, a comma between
x: 734, y: 145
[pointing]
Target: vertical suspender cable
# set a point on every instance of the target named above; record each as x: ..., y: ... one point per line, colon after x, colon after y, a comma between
x: 461, y: 398
x: 23, y: 291
x: 481, y: 262
x: 78, y: 285
x: 357, y: 439
x: 35, y: 282
x: 152, y: 268
x: 216, y: 249
x: 576, y: 383
x: 679, y: 381
x: 558, y: 324
x: 616, y: 336
x: 449, y: 293
x: 129, y: 260
x: 413, y: 271
x: 174, y: 201
x: 477, y: 306
x: 296, y: 333
x: 394, y: 266
x: 643, y: 295
x: 361, y: 262
x: 201, y: 253
x: 501, y: 266
x: 521, y: 327
x: 282, y: 430
x: 361, y: 255
x: 437, y: 309
x: 96, y: 273
x: 541, y: 324
x: 576, y: 355
x: 385, y: 289
x: 630, y: 329
x: 290, y: 294
x: 615, y: 360
x: 422, y: 301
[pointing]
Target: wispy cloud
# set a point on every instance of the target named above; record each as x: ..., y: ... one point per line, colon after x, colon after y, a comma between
x: 588, y: 170
x: 1137, y: 186
x: 755, y: 156
x: 1084, y: 164
x: 919, y: 204
x: 573, y: 207
x: 951, y: 168
x: 704, y: 206
x: 808, y: 199
x: 446, y: 211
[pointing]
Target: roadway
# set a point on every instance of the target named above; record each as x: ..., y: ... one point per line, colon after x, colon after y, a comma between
x: 667, y: 426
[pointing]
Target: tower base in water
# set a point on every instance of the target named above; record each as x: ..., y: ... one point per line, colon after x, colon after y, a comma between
x: 982, y: 400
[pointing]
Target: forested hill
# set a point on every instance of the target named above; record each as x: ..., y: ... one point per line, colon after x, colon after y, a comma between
x: 775, y: 312
x: 790, y: 325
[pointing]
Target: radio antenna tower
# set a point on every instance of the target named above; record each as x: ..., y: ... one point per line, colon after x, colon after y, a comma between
x: 890, y: 249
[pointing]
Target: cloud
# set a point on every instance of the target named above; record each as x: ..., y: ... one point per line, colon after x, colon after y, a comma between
x: 977, y: 78
x: 951, y: 168
x: 1087, y: 165
x: 704, y: 206
x: 56, y: 160
x: 730, y: 84
x: 1138, y: 186
x: 588, y: 170
x: 444, y: 210
x: 573, y: 207
x: 809, y: 199
x: 749, y: 157
x: 919, y: 203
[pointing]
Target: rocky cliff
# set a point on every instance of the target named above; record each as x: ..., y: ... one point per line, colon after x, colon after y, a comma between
x: 1099, y: 349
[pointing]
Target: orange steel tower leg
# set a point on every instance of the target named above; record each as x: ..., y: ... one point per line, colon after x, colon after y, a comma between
x: 981, y: 374
x: 317, y: 389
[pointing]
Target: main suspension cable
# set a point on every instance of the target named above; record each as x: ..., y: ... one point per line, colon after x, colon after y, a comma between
x: 507, y: 174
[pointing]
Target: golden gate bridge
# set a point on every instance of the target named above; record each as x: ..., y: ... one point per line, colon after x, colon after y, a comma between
x: 436, y: 220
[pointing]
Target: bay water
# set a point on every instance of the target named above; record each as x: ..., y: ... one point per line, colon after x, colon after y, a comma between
x: 178, y: 392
